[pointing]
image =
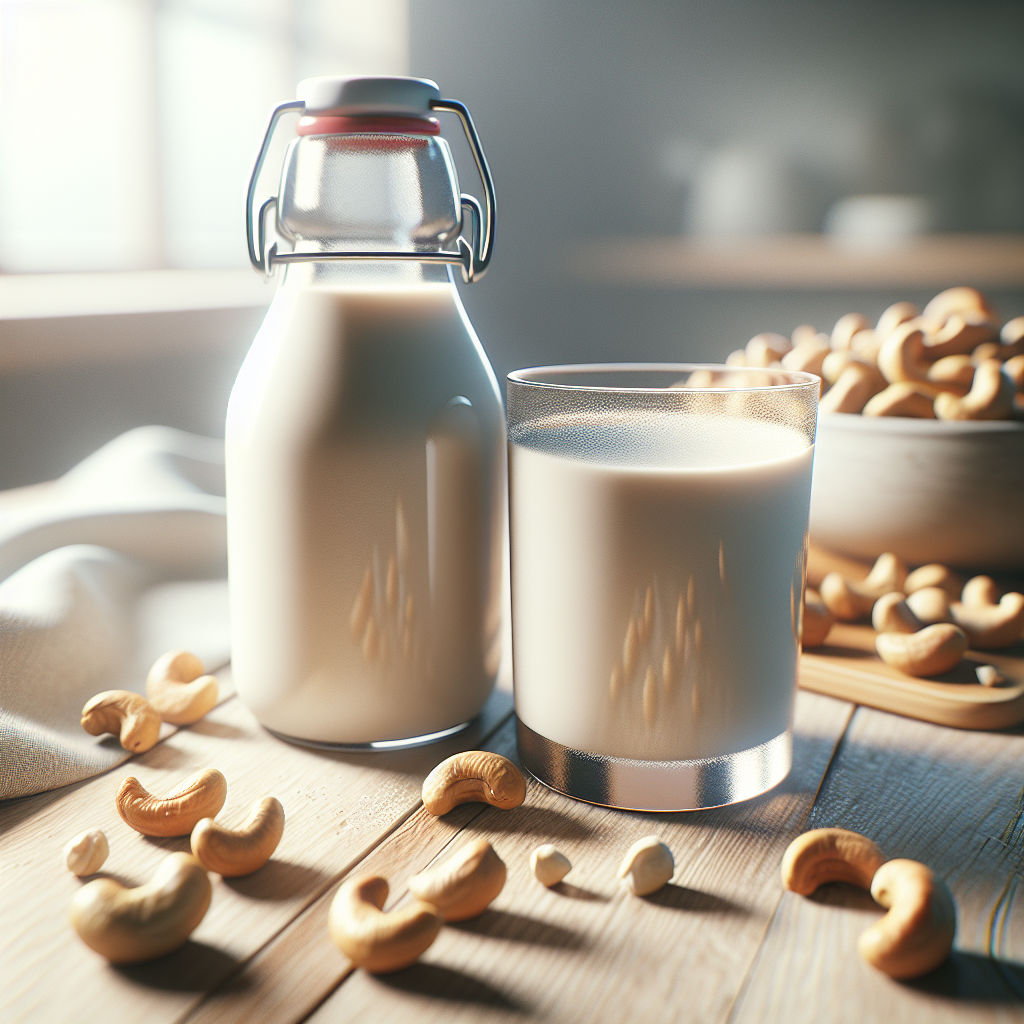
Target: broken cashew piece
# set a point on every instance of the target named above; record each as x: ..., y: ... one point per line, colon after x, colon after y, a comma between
x: 991, y: 627
x: 549, y: 865
x: 465, y: 884
x: 929, y: 652
x: 829, y: 855
x: 817, y: 619
x: 125, y: 714
x: 647, y: 866
x: 379, y: 942
x: 86, y: 853
x: 232, y: 853
x: 849, y: 600
x: 892, y: 614
x: 934, y: 575
x: 917, y: 933
x: 989, y: 675
x: 200, y: 796
x: 990, y: 397
x: 473, y: 776
x: 129, y: 926
x: 930, y: 605
x: 179, y: 689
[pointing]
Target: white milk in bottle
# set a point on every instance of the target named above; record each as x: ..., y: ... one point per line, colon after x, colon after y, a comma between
x: 365, y: 443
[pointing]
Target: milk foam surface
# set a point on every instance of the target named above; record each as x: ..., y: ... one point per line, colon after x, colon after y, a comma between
x: 656, y: 584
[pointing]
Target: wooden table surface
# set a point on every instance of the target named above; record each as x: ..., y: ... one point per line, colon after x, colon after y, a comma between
x: 722, y: 942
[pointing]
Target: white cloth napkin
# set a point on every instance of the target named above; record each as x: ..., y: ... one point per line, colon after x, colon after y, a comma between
x: 119, y: 560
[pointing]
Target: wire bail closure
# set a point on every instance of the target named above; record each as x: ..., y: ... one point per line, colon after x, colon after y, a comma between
x: 473, y: 257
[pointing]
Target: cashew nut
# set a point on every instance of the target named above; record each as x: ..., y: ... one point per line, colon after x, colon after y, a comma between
x: 85, y: 854
x: 474, y: 776
x: 952, y: 373
x: 866, y: 345
x: 200, y: 796
x: 764, y: 349
x: 990, y: 397
x: 379, y: 942
x: 647, y: 866
x: 829, y: 855
x: 549, y: 865
x: 855, y: 385
x: 980, y: 590
x: 917, y: 933
x: 991, y: 626
x: 737, y: 358
x: 905, y: 398
x: 894, y: 315
x: 957, y: 300
x: 465, y: 884
x: 1014, y: 369
x: 1013, y: 331
x: 807, y: 332
x: 989, y: 675
x: 962, y: 333
x: 242, y: 851
x: 125, y: 714
x: 817, y: 619
x: 849, y: 600
x: 128, y: 926
x: 808, y: 356
x: 179, y: 689
x: 846, y: 327
x: 902, y: 356
x: 934, y: 575
x: 892, y: 614
x: 835, y: 362
x: 930, y: 605
x: 929, y: 652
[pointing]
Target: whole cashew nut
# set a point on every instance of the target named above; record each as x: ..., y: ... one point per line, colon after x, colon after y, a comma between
x: 990, y: 397
x: 961, y: 334
x: 129, y: 926
x: 179, y: 689
x: 980, y: 591
x: 86, y: 853
x: 952, y: 373
x: 549, y: 865
x: 849, y: 600
x: 125, y: 714
x: 465, y: 884
x: 764, y: 349
x: 473, y: 776
x: 647, y: 866
x: 930, y: 605
x: 917, y: 933
x: 904, y: 398
x: 892, y: 614
x: 929, y: 652
x: 817, y: 619
x: 829, y: 855
x: 934, y: 575
x: 990, y: 627
x: 957, y: 300
x: 200, y: 796
x: 902, y: 355
x: 232, y: 853
x: 846, y: 327
x: 379, y: 942
x: 896, y: 314
x: 809, y: 356
x: 855, y: 385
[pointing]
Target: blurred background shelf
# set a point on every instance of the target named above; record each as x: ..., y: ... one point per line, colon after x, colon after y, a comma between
x: 799, y: 261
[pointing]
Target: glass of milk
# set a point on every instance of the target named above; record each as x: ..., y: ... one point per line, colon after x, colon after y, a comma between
x: 658, y: 517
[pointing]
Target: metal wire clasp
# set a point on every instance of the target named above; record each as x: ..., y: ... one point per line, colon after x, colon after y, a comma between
x: 473, y: 256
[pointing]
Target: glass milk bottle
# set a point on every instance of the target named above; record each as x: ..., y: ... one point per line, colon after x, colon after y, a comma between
x: 365, y: 433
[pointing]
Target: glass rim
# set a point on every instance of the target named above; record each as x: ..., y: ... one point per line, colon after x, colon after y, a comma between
x: 798, y: 379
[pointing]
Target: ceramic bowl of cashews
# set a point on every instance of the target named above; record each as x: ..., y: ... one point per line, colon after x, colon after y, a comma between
x: 920, y: 446
x: 925, y: 620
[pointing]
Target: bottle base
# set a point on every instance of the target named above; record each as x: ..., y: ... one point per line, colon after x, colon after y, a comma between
x: 656, y: 785
x: 377, y: 746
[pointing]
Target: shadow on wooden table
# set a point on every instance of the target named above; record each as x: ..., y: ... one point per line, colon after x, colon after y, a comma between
x: 520, y: 928
x: 444, y: 983
x: 196, y: 967
x: 971, y: 978
x: 678, y: 897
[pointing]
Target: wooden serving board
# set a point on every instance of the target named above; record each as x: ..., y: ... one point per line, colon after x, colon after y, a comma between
x: 848, y: 667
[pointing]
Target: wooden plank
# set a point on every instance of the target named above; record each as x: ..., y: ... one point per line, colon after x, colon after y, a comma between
x: 848, y: 667
x: 338, y: 808
x: 589, y: 950
x: 949, y: 798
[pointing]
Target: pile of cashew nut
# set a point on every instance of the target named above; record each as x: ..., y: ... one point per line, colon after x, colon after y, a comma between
x: 178, y: 690
x: 916, y: 935
x: 953, y: 360
x: 925, y: 619
x: 464, y: 884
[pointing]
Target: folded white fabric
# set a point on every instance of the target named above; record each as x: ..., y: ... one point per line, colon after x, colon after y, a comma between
x: 120, y: 560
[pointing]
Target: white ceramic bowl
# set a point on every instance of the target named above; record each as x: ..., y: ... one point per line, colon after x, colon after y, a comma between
x: 927, y: 490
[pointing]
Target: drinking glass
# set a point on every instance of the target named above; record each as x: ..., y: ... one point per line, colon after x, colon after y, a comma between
x: 658, y: 517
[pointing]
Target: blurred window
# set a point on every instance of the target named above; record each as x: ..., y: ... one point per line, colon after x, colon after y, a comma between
x: 127, y: 127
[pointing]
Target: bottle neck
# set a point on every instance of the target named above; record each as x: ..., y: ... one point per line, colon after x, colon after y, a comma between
x: 365, y: 274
